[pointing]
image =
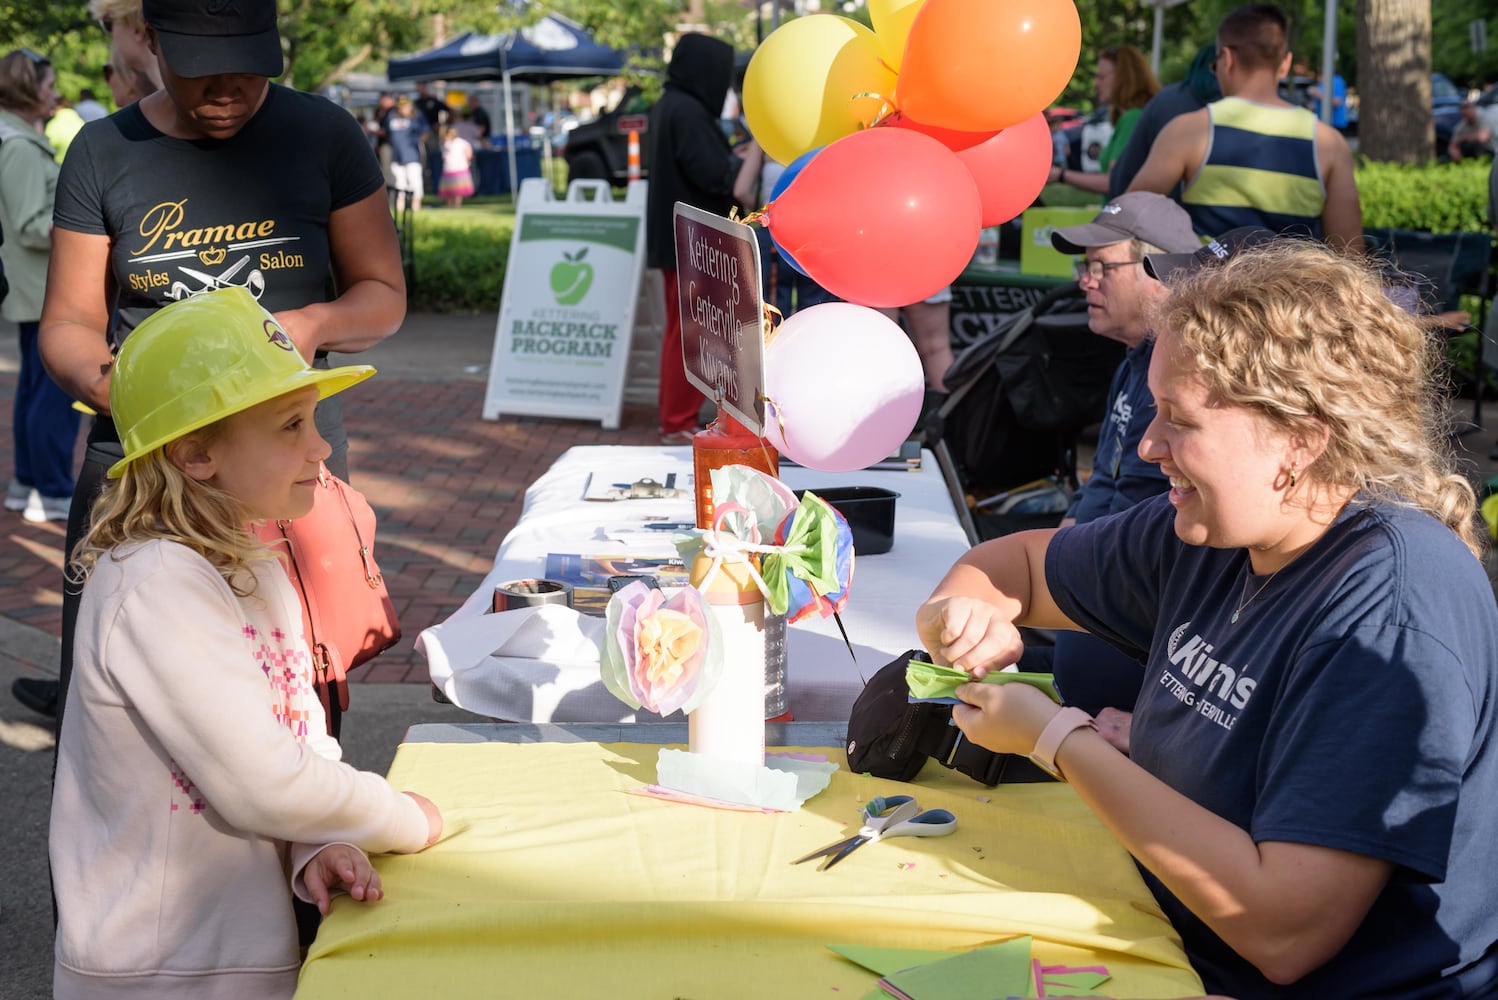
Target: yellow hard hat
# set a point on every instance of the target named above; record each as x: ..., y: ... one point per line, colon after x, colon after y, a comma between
x: 200, y: 360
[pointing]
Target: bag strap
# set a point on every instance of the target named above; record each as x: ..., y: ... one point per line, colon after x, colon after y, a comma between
x: 951, y: 748
x: 372, y: 574
x: 329, y: 675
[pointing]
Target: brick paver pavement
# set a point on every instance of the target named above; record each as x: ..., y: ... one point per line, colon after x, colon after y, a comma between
x: 445, y: 484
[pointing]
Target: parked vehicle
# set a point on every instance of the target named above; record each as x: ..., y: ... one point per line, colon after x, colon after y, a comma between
x: 1446, y: 108
x: 599, y: 149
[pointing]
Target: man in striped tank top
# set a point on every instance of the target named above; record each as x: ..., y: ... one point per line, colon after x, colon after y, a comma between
x: 1253, y: 159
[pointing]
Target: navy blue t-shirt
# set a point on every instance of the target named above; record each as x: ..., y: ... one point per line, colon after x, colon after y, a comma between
x: 1352, y: 706
x: 1120, y: 478
x: 1090, y: 673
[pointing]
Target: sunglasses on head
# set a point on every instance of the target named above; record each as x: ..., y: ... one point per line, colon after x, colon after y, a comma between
x: 37, y: 59
x: 107, y: 23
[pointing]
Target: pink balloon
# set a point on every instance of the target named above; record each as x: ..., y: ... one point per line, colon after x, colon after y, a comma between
x: 1011, y: 168
x: 846, y: 384
x: 882, y: 217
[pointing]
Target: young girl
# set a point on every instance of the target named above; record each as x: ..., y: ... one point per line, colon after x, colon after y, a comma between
x: 456, y: 182
x: 195, y: 787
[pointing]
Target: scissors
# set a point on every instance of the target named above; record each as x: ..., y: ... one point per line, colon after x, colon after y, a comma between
x: 887, y: 816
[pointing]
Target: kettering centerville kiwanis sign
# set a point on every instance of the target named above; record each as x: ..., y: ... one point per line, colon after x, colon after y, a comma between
x: 722, y: 327
x: 561, y: 344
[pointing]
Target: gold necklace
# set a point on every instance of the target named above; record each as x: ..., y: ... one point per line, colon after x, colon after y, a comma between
x: 1243, y: 604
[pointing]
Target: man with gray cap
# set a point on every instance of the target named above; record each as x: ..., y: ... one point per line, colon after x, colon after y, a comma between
x: 1090, y: 673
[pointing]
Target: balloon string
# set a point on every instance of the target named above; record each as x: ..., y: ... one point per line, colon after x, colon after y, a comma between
x: 773, y: 317
x: 779, y: 414
x: 886, y: 108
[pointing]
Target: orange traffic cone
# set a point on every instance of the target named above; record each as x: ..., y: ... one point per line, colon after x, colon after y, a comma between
x: 634, y: 155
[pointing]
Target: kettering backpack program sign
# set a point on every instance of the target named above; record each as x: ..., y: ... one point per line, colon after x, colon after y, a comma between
x: 561, y: 346
x: 722, y: 326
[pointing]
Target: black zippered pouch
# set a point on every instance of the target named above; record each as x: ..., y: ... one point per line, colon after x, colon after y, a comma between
x: 891, y: 737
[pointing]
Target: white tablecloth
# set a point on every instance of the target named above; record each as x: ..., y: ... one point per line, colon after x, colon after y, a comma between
x: 822, y: 680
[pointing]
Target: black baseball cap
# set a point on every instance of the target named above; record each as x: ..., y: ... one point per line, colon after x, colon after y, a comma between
x: 1138, y: 215
x: 1161, y: 265
x: 208, y: 37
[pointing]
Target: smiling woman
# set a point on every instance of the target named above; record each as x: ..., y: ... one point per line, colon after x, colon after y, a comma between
x: 1310, y: 753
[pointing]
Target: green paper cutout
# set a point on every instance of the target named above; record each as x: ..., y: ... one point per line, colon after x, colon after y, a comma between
x: 815, y: 531
x: 927, y: 680
x: 1000, y: 970
x: 883, y: 961
x: 1074, y: 984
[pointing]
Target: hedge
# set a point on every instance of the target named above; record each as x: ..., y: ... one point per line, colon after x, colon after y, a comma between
x: 1443, y: 197
x: 459, y: 261
x: 460, y: 256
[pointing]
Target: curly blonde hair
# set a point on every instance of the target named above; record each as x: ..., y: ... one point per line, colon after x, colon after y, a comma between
x: 1306, y: 336
x: 155, y: 499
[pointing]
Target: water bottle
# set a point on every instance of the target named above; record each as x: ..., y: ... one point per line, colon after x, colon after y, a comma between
x: 775, y: 702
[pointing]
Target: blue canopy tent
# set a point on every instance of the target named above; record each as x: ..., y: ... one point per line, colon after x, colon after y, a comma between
x: 550, y: 49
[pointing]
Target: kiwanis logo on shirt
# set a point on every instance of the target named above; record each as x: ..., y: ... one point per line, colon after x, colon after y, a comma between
x: 1196, y: 678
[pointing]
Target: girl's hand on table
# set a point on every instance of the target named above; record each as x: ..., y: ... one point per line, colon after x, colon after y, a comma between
x: 340, y: 866
x: 1004, y: 718
x: 968, y: 634
x: 434, y: 817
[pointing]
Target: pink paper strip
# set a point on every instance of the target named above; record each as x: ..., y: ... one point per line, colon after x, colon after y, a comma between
x: 672, y: 795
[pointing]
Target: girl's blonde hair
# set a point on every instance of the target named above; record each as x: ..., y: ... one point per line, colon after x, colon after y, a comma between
x: 155, y: 499
x: 1133, y: 82
x: 1307, y: 337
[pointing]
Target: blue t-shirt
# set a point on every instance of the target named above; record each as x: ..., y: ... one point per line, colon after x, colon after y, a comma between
x: 1339, y: 111
x: 1090, y: 673
x: 1120, y: 478
x: 405, y: 136
x: 1352, y: 706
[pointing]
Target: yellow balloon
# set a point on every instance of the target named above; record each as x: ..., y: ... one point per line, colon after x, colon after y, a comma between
x: 814, y: 80
x: 892, y: 20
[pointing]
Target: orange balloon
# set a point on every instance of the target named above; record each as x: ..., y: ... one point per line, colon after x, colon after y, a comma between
x: 983, y: 65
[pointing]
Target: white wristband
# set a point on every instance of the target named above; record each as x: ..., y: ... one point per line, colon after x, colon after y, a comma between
x: 1062, y: 725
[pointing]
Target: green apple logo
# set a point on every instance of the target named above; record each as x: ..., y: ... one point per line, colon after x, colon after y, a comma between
x: 571, y: 279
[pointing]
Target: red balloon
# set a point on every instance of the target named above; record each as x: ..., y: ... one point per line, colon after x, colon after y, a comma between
x: 883, y: 217
x: 1011, y: 168
x: 949, y: 137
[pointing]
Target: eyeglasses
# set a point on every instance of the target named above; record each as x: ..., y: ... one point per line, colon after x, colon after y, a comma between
x: 1217, y: 56
x: 1095, y: 269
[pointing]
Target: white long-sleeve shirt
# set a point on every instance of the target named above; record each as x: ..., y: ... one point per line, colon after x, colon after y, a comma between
x: 194, y: 777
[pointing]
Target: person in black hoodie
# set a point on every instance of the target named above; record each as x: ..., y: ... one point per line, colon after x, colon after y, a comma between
x: 690, y: 161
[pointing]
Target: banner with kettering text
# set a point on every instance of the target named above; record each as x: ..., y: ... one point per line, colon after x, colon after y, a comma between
x: 561, y: 344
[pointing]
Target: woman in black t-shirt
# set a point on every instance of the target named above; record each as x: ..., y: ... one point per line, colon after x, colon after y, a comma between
x: 220, y: 178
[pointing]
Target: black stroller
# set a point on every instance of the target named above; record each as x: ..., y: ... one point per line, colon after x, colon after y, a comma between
x: 1018, y: 400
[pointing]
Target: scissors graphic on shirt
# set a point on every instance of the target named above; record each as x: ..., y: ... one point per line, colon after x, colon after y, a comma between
x: 254, y: 281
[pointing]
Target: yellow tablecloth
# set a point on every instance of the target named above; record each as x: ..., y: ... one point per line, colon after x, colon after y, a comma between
x: 558, y: 883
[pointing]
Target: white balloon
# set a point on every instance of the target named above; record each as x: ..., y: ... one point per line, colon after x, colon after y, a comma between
x: 845, y: 387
